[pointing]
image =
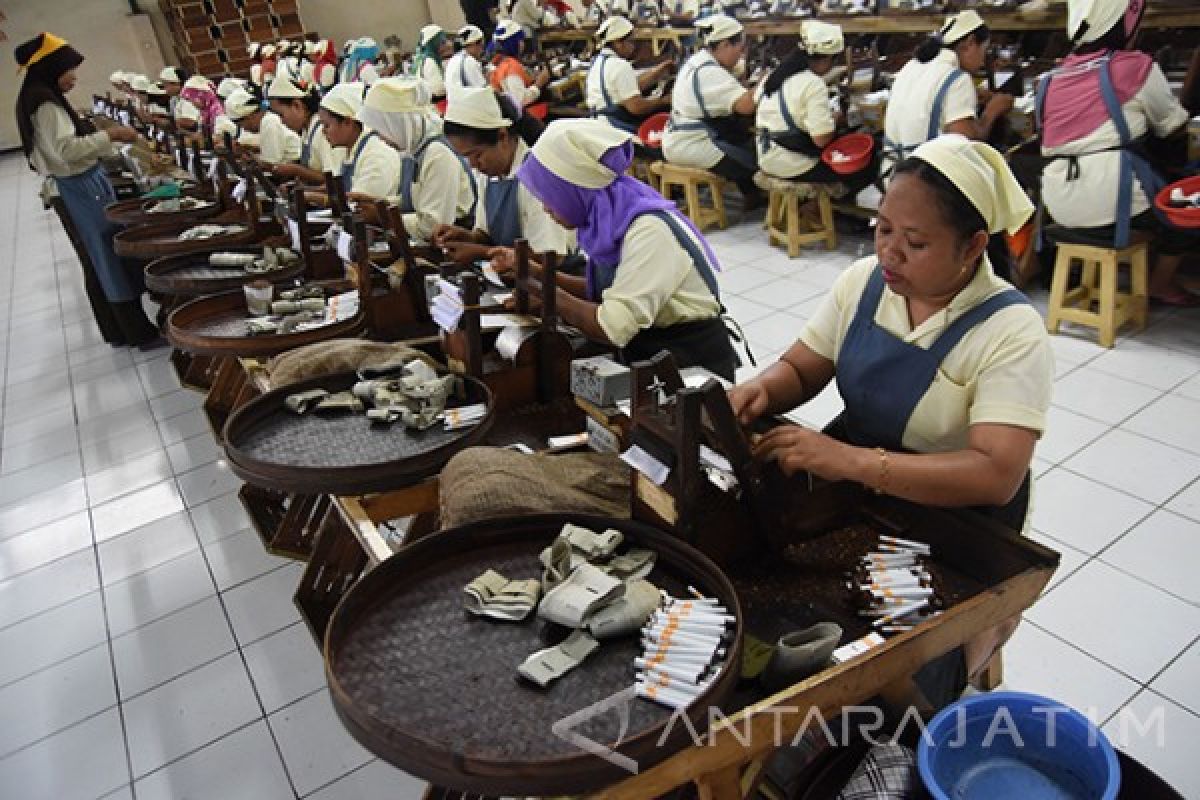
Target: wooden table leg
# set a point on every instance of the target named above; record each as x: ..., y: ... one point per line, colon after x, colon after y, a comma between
x: 336, y: 563
x: 723, y: 785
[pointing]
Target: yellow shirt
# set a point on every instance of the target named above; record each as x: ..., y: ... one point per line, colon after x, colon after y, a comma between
x: 656, y: 284
x: 1001, y: 372
x: 58, y: 150
x: 807, y: 99
x: 277, y: 143
x: 377, y: 170
x: 320, y: 156
x: 441, y: 195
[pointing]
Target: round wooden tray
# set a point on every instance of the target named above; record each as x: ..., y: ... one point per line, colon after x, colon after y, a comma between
x: 340, y: 453
x: 191, y: 275
x: 434, y: 690
x: 148, y: 242
x: 215, y: 326
x: 134, y: 212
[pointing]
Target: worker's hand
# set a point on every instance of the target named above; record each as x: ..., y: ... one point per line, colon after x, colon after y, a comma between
x: 122, y: 133
x: 1000, y: 104
x: 318, y: 199
x: 543, y: 78
x: 662, y: 70
x: 361, y: 197
x: 504, y: 260
x: 535, y: 297
x: 798, y: 449
x: 463, y: 252
x: 749, y: 401
x: 444, y: 234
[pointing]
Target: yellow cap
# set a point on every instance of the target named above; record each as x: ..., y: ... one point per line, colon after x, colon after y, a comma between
x: 614, y: 29
x: 572, y: 149
x: 344, y: 99
x: 960, y: 25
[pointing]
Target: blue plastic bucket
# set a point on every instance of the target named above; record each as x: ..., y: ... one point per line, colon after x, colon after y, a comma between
x: 1016, y: 745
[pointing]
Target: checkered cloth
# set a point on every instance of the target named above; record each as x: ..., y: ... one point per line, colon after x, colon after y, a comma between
x: 889, y: 772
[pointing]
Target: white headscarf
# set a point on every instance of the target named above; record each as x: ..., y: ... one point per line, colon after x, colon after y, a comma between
x: 1100, y: 16
x: 984, y: 178
x: 400, y: 110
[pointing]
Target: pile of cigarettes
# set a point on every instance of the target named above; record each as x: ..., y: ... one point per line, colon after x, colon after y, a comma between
x: 893, y: 585
x: 685, y: 642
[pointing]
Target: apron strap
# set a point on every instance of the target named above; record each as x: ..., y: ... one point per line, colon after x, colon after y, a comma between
x: 696, y: 88
x: 1131, y: 163
x: 306, y: 150
x: 939, y: 102
x: 963, y: 325
x: 699, y: 259
x: 349, y: 167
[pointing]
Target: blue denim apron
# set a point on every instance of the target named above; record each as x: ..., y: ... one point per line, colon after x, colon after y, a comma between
x: 85, y: 196
x: 410, y: 173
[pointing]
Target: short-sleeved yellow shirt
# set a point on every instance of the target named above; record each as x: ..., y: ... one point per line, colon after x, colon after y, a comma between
x: 1001, y: 372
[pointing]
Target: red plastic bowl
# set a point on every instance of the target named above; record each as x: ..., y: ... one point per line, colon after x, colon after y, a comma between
x: 858, y: 146
x: 538, y: 110
x: 655, y: 125
x: 1180, y: 217
x: 440, y: 105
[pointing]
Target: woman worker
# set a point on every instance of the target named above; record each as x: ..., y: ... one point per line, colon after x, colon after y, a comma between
x: 650, y: 283
x: 370, y: 167
x: 434, y: 186
x: 1093, y: 111
x: 794, y: 119
x: 614, y: 91
x: 483, y: 131
x: 200, y: 93
x: 276, y: 143
x: 297, y: 105
x: 934, y: 92
x: 434, y: 47
x: 509, y: 74
x: 945, y: 369
x: 65, y: 150
x: 707, y: 127
x: 186, y: 115
x: 464, y: 70
x: 243, y: 113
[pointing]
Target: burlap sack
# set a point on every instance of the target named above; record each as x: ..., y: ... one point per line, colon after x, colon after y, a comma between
x: 337, y: 355
x: 488, y: 482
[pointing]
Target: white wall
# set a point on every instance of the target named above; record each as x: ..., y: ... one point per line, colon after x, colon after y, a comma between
x: 102, y: 30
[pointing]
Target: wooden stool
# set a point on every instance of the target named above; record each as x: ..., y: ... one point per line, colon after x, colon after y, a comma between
x: 690, y: 179
x: 644, y: 170
x: 794, y: 223
x: 1099, y: 286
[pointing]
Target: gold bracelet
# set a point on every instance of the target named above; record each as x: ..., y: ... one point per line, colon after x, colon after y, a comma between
x: 880, y: 487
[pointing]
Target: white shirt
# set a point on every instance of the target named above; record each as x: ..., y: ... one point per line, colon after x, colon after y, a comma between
x: 277, y: 143
x: 1090, y: 200
x: 721, y: 91
x: 807, y: 99
x: 431, y: 73
x: 224, y: 124
x: 463, y: 71
x: 537, y: 227
x: 656, y: 284
x: 441, y: 194
x: 525, y: 13
x: 184, y: 109
x: 619, y: 79
x: 377, y: 171
x: 58, y: 150
x: 911, y: 101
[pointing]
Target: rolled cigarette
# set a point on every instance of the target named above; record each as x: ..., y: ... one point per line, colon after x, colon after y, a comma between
x: 674, y: 637
x: 685, y: 660
x: 690, y: 675
x: 912, y: 543
x: 664, y: 697
x: 662, y: 681
x: 712, y: 623
x: 896, y: 628
x: 699, y: 596
x: 695, y: 605
x: 903, y: 591
x: 902, y: 611
x: 677, y: 649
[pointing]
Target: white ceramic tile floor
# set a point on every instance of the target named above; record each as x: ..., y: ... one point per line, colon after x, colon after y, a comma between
x: 133, y: 593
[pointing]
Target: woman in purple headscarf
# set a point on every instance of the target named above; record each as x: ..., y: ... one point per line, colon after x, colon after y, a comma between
x: 650, y: 283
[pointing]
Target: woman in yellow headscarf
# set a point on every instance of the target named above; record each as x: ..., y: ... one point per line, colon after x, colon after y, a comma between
x: 66, y: 149
x: 944, y: 368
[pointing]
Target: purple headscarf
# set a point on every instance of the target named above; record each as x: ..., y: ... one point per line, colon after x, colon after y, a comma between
x: 602, y: 216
